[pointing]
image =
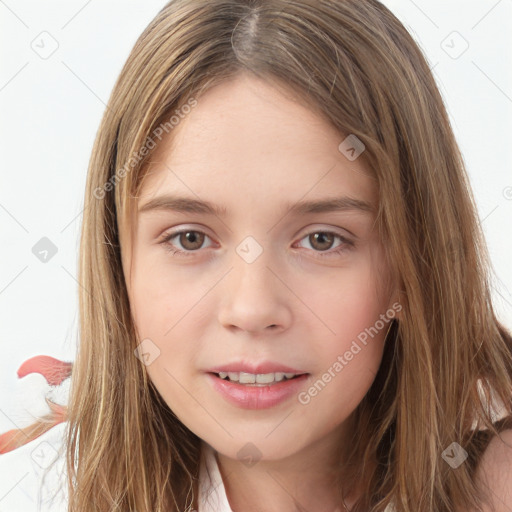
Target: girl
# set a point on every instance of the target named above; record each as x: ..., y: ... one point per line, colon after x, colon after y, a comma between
x: 285, y: 299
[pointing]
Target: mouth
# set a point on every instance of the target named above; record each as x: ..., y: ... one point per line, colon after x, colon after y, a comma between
x: 257, y: 379
x: 257, y: 391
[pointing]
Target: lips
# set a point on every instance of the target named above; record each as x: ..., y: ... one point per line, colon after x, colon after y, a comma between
x: 255, y: 368
x: 247, y: 396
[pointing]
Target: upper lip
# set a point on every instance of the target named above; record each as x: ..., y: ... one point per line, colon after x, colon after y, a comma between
x: 255, y: 368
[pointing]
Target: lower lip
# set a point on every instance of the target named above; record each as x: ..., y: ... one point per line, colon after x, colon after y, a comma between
x: 247, y: 396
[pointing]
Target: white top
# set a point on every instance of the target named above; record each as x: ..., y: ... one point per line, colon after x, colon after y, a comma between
x: 212, y: 493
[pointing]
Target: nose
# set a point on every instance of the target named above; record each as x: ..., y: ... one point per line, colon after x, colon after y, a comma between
x: 254, y: 298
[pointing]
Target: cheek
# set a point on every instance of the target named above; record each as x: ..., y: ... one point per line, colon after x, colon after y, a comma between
x: 162, y: 299
x: 163, y: 316
x: 345, y: 302
x: 349, y: 349
x: 353, y: 351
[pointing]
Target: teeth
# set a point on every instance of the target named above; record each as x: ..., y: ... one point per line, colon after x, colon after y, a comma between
x: 247, y: 378
x: 265, y: 378
x: 260, y: 378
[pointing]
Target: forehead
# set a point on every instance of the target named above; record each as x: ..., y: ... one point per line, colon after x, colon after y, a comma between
x: 248, y: 141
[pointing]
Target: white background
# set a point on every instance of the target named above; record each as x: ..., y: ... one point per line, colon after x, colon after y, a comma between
x: 51, y: 109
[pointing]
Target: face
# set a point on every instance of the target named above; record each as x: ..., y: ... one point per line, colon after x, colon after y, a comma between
x: 259, y: 284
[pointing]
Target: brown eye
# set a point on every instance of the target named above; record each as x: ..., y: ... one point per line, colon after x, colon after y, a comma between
x: 191, y: 240
x: 321, y: 241
x: 186, y: 242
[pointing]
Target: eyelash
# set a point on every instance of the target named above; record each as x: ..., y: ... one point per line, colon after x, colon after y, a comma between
x: 345, y: 246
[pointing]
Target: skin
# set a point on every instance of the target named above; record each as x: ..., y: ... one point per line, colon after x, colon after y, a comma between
x: 494, y: 474
x: 252, y: 148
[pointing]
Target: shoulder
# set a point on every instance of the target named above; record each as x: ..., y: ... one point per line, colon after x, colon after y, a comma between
x: 494, y: 473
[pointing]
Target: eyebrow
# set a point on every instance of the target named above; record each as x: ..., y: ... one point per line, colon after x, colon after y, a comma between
x: 191, y: 205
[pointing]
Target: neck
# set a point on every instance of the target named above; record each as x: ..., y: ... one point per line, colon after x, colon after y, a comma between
x: 305, y: 480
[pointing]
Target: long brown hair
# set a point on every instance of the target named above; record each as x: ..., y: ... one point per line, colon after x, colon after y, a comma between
x: 354, y: 64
